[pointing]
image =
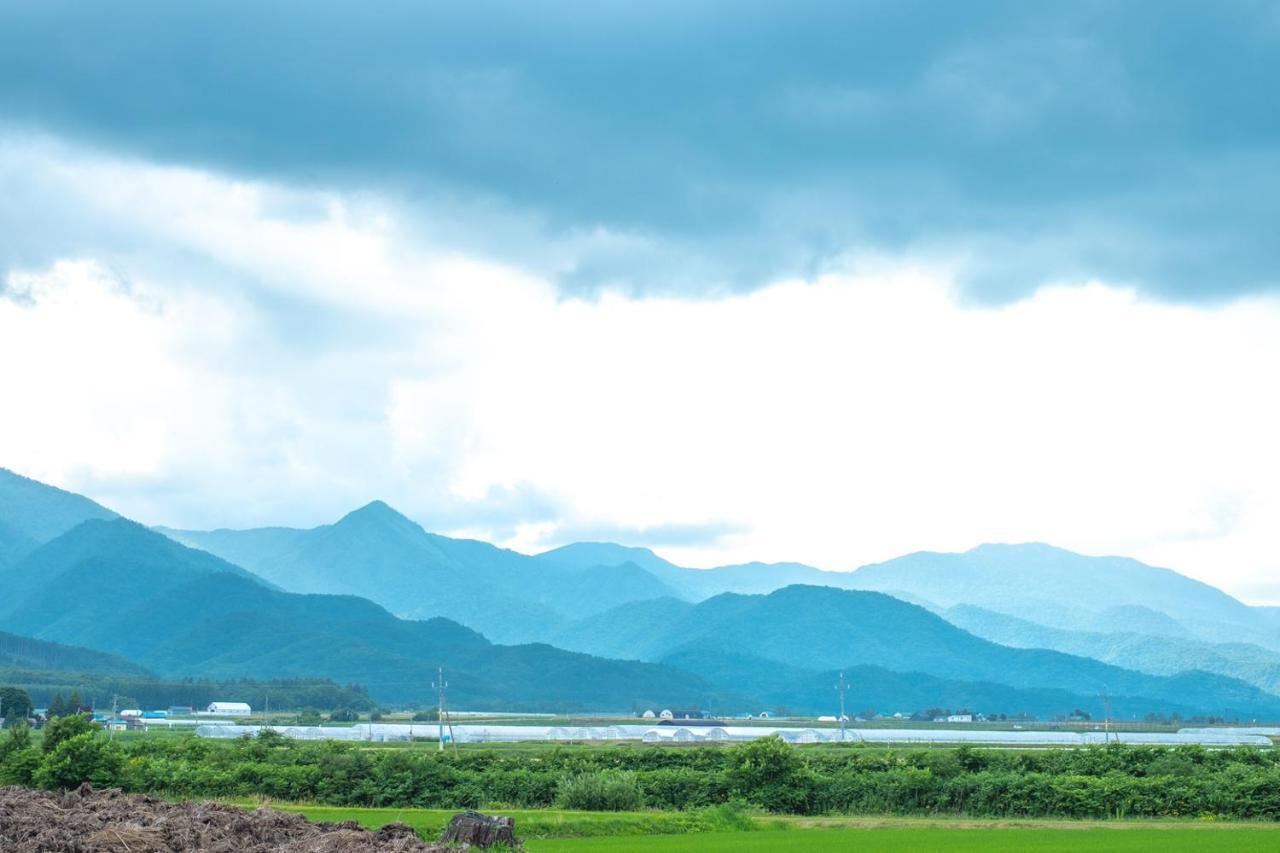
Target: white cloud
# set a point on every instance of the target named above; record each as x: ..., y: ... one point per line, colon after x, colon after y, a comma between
x: 242, y: 353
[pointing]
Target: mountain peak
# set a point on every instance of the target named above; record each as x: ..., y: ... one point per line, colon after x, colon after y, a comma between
x: 374, y: 510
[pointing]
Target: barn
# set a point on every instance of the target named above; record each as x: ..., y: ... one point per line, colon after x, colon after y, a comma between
x: 229, y: 709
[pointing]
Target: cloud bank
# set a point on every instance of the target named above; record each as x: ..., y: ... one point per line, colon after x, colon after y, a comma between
x: 222, y: 351
x: 699, y: 148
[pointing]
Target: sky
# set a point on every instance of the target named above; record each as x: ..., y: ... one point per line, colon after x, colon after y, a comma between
x: 817, y: 281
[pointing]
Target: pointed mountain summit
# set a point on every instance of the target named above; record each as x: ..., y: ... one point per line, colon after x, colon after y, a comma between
x: 380, y: 554
x: 377, y: 515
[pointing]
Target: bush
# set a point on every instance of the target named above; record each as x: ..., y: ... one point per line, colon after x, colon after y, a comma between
x: 343, y: 715
x: 769, y: 773
x: 599, y: 791
x: 83, y: 758
x: 65, y: 728
x: 19, y: 767
x: 425, y: 717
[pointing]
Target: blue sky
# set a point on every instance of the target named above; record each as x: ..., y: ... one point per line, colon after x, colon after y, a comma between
x: 520, y: 268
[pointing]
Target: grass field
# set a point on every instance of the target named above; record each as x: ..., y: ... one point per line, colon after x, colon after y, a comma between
x: 935, y: 839
x: 553, y: 830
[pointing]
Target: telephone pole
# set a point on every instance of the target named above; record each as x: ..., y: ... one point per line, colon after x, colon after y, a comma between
x: 442, y: 712
x: 1106, y: 715
x: 115, y: 701
x: 841, y: 687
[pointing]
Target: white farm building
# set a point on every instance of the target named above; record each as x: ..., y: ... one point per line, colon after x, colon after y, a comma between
x: 229, y: 709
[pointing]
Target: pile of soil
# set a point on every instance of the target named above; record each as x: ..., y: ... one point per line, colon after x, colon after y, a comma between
x: 89, y: 821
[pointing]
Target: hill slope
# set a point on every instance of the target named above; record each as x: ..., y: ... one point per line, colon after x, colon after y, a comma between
x: 819, y: 628
x: 696, y: 584
x: 28, y: 653
x: 124, y: 589
x: 39, y: 512
x: 379, y: 554
x: 1146, y: 653
x: 1065, y: 590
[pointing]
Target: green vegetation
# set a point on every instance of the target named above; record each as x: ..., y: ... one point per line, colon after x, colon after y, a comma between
x: 15, y: 705
x: 153, y: 693
x: 943, y: 840
x: 27, y: 653
x: 902, y: 658
x: 546, y: 823
x: 1102, y: 782
x: 600, y: 791
x: 178, y: 611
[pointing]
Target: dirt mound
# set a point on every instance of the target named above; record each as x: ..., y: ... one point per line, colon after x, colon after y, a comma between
x: 89, y: 821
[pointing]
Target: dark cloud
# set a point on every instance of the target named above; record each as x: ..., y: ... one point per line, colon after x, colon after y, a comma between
x: 719, y: 144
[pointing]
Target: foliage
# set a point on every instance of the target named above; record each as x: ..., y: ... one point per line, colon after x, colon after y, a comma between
x: 344, y: 715
x: 15, y: 705
x: 1097, y: 782
x: 599, y: 791
x: 86, y: 757
x: 770, y: 773
x: 148, y: 692
x: 65, y: 728
x: 19, y: 766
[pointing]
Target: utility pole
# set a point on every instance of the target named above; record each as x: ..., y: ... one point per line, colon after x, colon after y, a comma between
x: 1106, y: 712
x: 111, y: 734
x: 841, y: 687
x: 442, y: 712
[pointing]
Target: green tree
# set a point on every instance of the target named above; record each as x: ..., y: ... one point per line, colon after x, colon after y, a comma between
x: 65, y: 728
x: 770, y: 773
x: 85, y: 757
x: 18, y: 737
x: 15, y: 705
x: 343, y: 715
x: 57, y: 706
x: 73, y: 702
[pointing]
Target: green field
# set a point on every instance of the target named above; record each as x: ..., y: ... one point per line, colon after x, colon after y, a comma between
x: 934, y: 839
x: 554, y: 830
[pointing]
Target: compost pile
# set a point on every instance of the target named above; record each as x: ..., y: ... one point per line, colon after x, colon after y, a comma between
x: 89, y: 821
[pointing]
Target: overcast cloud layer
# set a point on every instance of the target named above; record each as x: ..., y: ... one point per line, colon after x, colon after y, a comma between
x: 828, y: 282
x: 713, y: 146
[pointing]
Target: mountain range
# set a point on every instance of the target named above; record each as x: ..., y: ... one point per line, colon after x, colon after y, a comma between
x: 375, y: 599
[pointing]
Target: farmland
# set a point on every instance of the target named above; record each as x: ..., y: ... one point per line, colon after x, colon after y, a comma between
x: 552, y: 831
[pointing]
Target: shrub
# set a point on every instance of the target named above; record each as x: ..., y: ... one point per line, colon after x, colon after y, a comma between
x: 343, y: 715
x: 599, y: 791
x: 19, y: 766
x: 769, y: 772
x: 83, y: 758
x: 65, y: 728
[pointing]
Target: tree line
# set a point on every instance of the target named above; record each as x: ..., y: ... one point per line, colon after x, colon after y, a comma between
x: 1108, y: 781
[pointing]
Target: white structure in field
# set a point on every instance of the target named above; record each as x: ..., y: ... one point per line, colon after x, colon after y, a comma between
x: 229, y: 709
x: 497, y: 733
x: 648, y: 715
x: 666, y: 715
